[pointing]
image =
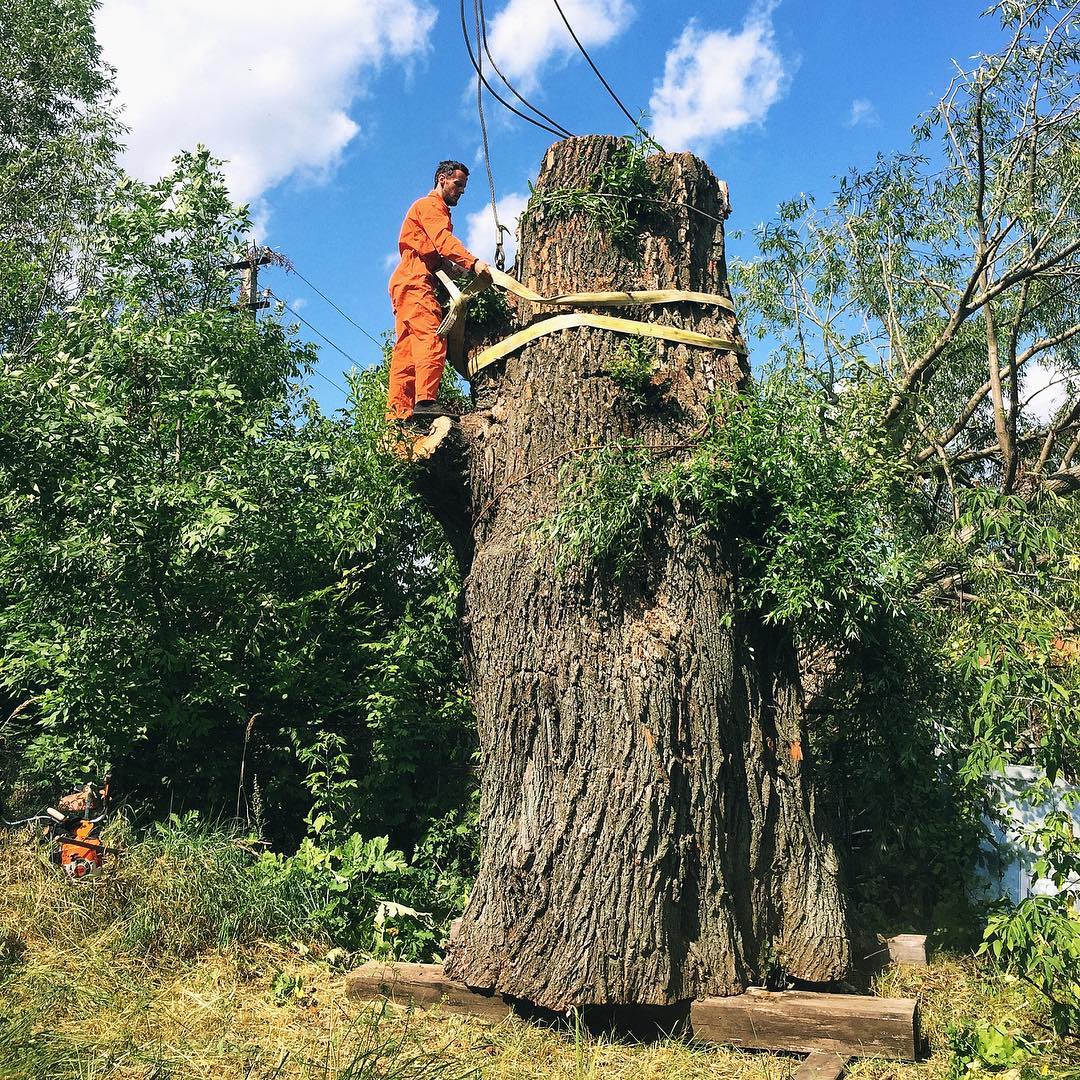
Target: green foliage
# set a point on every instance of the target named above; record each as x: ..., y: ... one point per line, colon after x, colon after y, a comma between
x: 631, y: 366
x: 287, y: 988
x: 1016, y: 643
x: 980, y: 1045
x: 884, y: 734
x: 211, y: 589
x: 364, y: 896
x: 487, y: 312
x: 823, y: 515
x: 608, y: 504
x: 202, y: 567
x: 57, y: 147
x: 815, y: 500
x: 342, y: 888
x: 619, y: 199
x: 1038, y: 941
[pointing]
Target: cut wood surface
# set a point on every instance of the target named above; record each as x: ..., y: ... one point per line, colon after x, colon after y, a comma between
x: 822, y: 1065
x: 805, y: 1022
x: 830, y: 1027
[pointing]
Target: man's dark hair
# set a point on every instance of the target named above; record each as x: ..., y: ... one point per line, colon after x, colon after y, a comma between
x: 448, y: 168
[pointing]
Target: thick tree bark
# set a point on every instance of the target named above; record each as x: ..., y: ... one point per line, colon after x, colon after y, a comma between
x: 649, y: 828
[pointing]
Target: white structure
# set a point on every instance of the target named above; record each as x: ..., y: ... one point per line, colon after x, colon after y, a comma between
x: 1009, y: 865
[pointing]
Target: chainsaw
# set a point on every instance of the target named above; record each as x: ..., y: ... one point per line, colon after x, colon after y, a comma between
x: 72, y: 826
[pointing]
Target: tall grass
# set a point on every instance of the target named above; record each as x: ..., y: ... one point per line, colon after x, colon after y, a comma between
x: 175, y: 891
x: 172, y: 964
x: 165, y: 966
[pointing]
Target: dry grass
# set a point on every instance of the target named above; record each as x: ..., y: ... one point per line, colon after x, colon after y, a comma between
x: 76, y: 1001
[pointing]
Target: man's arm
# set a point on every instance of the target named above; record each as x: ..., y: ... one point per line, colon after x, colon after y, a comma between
x: 435, y: 221
x: 480, y: 269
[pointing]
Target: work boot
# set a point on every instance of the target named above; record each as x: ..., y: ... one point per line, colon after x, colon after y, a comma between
x: 431, y: 410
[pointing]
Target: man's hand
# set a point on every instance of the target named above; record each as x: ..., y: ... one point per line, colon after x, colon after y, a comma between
x: 482, y: 272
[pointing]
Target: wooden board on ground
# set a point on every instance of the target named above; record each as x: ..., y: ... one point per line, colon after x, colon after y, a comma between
x: 822, y: 1065
x: 844, y: 1025
x: 805, y: 1022
x: 423, y: 985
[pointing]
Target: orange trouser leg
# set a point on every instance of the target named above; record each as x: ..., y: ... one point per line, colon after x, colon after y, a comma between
x: 420, y: 354
x: 401, y: 393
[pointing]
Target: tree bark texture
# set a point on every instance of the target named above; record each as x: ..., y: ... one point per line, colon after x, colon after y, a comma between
x: 649, y: 829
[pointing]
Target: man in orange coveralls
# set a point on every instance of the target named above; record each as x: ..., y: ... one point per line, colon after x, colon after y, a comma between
x: 427, y: 243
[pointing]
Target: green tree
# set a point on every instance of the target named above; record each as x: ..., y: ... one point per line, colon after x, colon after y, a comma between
x: 201, y: 569
x: 920, y: 303
x: 924, y: 308
x: 58, y: 142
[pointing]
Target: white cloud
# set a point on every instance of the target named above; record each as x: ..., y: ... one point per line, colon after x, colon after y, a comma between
x: 526, y: 34
x: 1044, y: 391
x: 716, y: 81
x: 266, y: 85
x: 862, y: 112
x: 479, y: 236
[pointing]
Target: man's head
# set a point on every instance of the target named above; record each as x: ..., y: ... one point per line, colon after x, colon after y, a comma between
x: 451, y: 178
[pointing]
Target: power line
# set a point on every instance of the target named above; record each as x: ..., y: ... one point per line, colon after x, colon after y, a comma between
x: 500, y: 259
x: 502, y: 101
x: 596, y: 70
x: 349, y: 318
x: 332, y: 344
x: 482, y: 26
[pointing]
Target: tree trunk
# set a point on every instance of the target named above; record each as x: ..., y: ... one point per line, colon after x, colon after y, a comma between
x: 648, y: 823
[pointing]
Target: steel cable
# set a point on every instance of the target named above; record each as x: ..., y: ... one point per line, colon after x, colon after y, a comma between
x: 596, y: 70
x: 502, y: 101
x: 482, y: 22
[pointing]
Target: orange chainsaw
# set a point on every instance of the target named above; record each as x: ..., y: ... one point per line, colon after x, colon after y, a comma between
x: 72, y: 825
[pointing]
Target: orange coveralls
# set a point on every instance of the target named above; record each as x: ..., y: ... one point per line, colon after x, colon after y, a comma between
x: 419, y: 353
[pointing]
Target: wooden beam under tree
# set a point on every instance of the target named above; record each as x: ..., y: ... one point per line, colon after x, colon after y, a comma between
x: 803, y: 1022
x: 909, y: 949
x: 833, y: 1026
x: 423, y: 985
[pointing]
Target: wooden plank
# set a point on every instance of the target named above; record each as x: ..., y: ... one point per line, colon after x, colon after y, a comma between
x: 908, y: 949
x: 841, y: 1024
x: 423, y: 985
x: 802, y: 1022
x: 822, y: 1065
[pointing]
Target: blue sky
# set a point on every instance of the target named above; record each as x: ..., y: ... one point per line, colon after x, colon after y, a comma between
x: 332, y: 117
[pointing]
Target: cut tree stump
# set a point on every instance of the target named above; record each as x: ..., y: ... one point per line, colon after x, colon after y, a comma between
x: 650, y: 827
x: 830, y: 1027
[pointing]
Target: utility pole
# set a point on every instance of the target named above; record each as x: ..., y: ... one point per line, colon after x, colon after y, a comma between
x: 249, y: 286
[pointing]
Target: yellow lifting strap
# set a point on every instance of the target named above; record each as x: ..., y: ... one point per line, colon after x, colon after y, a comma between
x: 582, y: 318
x: 604, y: 322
